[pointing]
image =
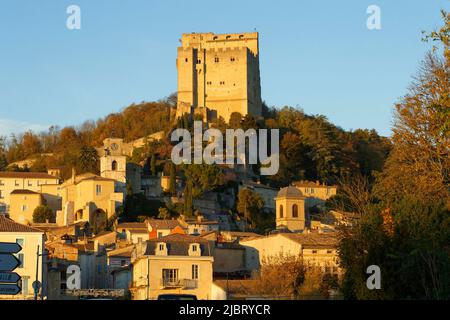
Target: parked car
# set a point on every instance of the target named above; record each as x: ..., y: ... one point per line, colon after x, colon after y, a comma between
x: 177, y: 297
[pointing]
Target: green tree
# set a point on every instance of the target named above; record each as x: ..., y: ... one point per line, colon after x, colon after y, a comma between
x: 250, y: 205
x: 172, y: 179
x: 88, y: 159
x: 43, y: 214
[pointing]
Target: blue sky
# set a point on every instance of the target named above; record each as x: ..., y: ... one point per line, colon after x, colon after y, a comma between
x: 318, y: 55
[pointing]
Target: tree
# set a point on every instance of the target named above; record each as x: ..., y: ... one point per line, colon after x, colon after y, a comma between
x: 203, y: 178
x: 163, y: 213
x: 43, y: 214
x: 419, y: 163
x: 269, y: 281
x: 88, y: 159
x: 172, y: 179
x: 250, y: 205
x: 153, y: 165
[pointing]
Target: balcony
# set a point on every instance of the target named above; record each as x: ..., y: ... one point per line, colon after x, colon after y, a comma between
x: 179, y: 283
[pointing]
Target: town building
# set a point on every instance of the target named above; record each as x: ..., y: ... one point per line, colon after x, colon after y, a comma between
x: 218, y: 74
x: 315, y: 248
x: 198, y: 225
x: 88, y: 198
x: 175, y: 264
x: 33, y: 181
x: 23, y: 204
x: 32, y: 241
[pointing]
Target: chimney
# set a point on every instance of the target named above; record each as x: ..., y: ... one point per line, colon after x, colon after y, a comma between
x: 317, y: 183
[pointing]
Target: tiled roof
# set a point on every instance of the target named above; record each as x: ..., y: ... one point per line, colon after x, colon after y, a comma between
x: 26, y: 175
x: 122, y: 252
x: 163, y: 224
x: 313, y: 239
x: 178, y: 245
x: 131, y: 225
x: 7, y: 225
x: 23, y: 191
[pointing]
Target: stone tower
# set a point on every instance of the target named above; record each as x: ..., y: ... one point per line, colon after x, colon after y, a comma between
x: 113, y: 162
x: 290, y: 209
x: 219, y: 75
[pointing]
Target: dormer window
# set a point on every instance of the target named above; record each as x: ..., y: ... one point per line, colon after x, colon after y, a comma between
x: 194, y: 249
x: 161, y: 249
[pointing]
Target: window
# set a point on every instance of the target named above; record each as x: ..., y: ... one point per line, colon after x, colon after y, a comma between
x: 194, y: 272
x: 24, y: 285
x: 232, y: 59
x: 16, y: 183
x: 281, y: 211
x: 329, y: 251
x: 24, y: 208
x: 199, y: 61
x: 295, y: 211
x: 160, y: 234
x: 2, y: 183
x: 170, y: 275
x: 194, y: 248
x: 195, y: 231
x: 114, y: 165
x: 186, y: 60
x: 123, y: 263
x: 1, y: 195
x: 314, y: 251
x: 161, y: 247
x: 98, y: 189
x: 30, y: 184
x: 216, y: 59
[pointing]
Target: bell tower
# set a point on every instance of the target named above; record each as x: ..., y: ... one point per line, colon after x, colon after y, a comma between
x: 113, y: 163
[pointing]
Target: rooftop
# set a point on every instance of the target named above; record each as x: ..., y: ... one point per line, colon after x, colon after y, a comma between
x: 23, y: 191
x: 163, y: 224
x: 8, y: 225
x: 290, y: 192
x: 178, y: 245
x: 26, y: 175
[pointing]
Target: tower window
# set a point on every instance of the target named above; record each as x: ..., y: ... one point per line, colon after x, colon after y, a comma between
x: 232, y: 59
x: 114, y: 165
x: 216, y: 59
x: 281, y: 211
x: 295, y: 211
x: 186, y: 60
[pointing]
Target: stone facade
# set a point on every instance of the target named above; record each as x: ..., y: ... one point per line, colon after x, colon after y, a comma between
x: 220, y: 73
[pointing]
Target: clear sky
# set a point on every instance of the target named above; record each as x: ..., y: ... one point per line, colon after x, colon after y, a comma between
x: 318, y: 55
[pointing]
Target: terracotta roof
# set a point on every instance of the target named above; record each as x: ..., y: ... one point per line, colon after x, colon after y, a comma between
x: 26, y: 175
x: 131, y: 225
x: 7, y: 225
x: 23, y: 191
x: 203, y: 222
x: 242, y: 234
x: 178, y: 245
x: 307, y: 240
x: 163, y: 224
x: 290, y: 192
x: 313, y: 239
x: 122, y: 252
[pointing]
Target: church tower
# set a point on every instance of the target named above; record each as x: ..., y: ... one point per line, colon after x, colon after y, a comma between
x: 290, y: 209
x: 113, y: 162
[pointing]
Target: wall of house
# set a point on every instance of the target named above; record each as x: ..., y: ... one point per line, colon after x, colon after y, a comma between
x: 22, y: 207
x: 31, y: 241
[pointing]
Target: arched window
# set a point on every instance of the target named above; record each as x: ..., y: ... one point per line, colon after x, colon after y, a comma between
x: 281, y: 211
x: 295, y: 211
x: 114, y: 165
